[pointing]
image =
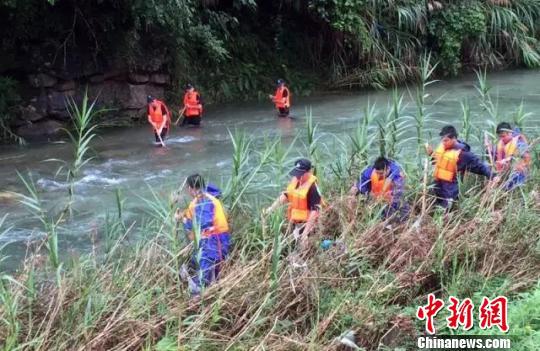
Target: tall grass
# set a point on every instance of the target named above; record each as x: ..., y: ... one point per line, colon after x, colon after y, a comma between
x: 421, y: 118
x: 81, y: 136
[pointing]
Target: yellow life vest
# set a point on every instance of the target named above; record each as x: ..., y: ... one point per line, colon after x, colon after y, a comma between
x: 509, y: 150
x: 219, y: 222
x: 298, y: 210
x: 381, y: 187
x: 445, y: 163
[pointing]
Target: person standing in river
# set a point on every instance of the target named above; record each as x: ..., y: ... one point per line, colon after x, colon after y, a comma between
x: 192, y: 110
x: 159, y: 118
x: 281, y: 98
x: 450, y: 158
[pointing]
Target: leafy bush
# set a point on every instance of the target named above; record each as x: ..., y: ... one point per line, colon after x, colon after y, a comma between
x: 9, y: 97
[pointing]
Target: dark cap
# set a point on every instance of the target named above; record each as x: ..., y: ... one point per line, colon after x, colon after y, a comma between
x: 504, y: 127
x: 280, y: 81
x: 301, y: 166
x: 150, y: 98
x: 189, y: 86
x: 448, y: 131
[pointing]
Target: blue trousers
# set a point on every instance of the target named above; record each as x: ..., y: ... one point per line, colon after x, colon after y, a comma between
x: 208, y: 258
x: 446, y: 193
x: 515, y: 180
x: 399, y: 210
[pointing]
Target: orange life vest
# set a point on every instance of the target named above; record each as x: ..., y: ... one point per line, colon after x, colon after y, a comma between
x: 509, y: 150
x: 219, y: 222
x: 446, y: 163
x: 280, y: 100
x: 192, y: 105
x: 157, y: 117
x: 298, y: 210
x: 381, y: 187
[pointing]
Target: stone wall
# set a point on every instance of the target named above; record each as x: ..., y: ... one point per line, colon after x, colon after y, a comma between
x: 44, y: 112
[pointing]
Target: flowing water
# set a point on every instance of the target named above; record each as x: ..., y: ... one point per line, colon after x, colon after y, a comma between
x: 126, y: 158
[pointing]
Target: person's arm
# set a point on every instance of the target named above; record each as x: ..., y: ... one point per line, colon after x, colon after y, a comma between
x: 272, y: 97
x: 149, y: 116
x: 311, y: 222
x: 470, y: 162
x: 186, y: 105
x: 314, y: 206
x: 281, y: 200
x: 398, y: 187
x: 187, y: 222
x: 524, y: 154
x: 165, y: 113
x: 364, y: 183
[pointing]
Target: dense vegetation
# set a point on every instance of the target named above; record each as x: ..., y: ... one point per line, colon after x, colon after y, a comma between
x: 236, y: 48
x: 126, y: 293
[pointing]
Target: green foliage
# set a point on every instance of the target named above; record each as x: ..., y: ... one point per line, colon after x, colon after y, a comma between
x: 9, y: 97
x: 452, y: 26
x: 345, y: 16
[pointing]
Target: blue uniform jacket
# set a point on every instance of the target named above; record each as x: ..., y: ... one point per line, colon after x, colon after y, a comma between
x: 395, y: 174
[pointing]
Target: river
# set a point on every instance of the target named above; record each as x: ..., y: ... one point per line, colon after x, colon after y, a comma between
x: 126, y: 159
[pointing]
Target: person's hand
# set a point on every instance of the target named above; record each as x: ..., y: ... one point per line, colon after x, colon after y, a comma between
x: 296, y: 233
x: 270, y: 96
x: 494, y: 182
x: 267, y: 211
x: 178, y: 215
x: 429, y: 149
x: 521, y: 167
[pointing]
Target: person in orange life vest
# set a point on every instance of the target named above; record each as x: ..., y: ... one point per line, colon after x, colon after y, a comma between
x: 511, y: 155
x: 384, y: 181
x: 303, y: 198
x: 158, y: 117
x: 453, y: 157
x: 192, y: 106
x: 205, y: 219
x: 282, y: 98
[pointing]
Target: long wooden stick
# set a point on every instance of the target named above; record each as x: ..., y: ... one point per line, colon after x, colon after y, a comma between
x: 158, y: 133
x: 180, y: 115
x: 489, y: 148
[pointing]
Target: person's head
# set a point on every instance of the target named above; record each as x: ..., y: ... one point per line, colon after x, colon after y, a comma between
x: 504, y: 131
x: 150, y: 99
x: 189, y: 87
x: 381, y: 166
x: 301, y: 170
x: 448, y: 136
x: 280, y: 82
x: 195, y: 184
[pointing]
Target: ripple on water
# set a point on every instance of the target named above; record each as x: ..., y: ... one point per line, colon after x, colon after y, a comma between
x: 183, y: 139
x: 18, y: 235
x: 50, y: 184
x: 95, y: 178
x: 162, y: 174
x: 119, y: 162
